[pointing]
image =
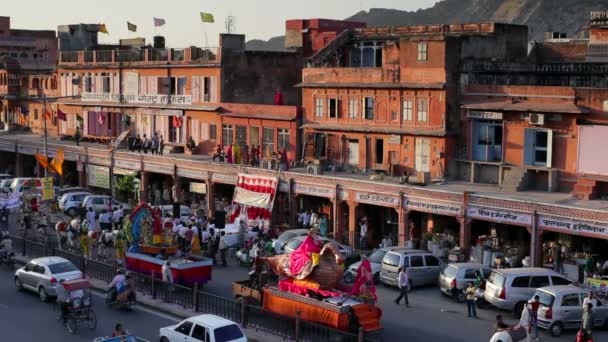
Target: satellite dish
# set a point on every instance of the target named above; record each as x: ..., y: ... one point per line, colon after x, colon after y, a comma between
x: 230, y: 24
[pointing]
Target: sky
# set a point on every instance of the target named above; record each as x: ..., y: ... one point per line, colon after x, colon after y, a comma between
x: 257, y: 19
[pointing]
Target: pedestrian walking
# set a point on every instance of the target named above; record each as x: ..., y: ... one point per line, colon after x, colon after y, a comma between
x: 168, y: 275
x: 533, y: 306
x: 223, y: 247
x: 470, y: 296
x: 91, y: 217
x: 363, y: 233
x: 403, y: 283
x: 587, y: 324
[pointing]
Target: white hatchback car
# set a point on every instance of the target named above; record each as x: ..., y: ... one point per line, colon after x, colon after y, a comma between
x: 203, y: 328
x: 71, y: 202
x: 100, y: 202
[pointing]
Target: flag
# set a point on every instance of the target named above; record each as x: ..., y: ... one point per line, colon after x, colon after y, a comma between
x: 61, y: 115
x: 131, y: 27
x: 48, y: 115
x: 56, y: 165
x: 79, y: 118
x: 101, y: 118
x: 207, y: 17
x: 103, y: 29
x: 158, y: 22
x: 24, y: 110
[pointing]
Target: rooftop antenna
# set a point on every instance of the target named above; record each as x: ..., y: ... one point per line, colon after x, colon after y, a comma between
x: 231, y: 24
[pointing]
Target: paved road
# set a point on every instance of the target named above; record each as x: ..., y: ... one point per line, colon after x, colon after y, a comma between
x: 24, y: 318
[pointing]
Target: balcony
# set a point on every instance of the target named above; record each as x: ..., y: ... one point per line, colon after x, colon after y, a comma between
x: 191, y: 55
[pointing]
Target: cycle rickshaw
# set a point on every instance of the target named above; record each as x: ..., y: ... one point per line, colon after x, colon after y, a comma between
x: 76, y: 307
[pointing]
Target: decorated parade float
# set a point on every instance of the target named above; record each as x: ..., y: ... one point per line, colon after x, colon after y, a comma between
x: 152, y: 245
x: 309, y: 287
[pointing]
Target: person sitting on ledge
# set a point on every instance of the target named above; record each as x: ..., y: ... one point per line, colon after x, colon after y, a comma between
x: 191, y: 144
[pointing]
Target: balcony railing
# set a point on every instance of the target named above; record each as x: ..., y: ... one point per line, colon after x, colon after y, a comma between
x: 188, y: 55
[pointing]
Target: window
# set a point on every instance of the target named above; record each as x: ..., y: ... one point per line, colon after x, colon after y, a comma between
x: 353, y: 108
x: 241, y: 135
x: 422, y: 52
x: 368, y: 104
x: 431, y: 260
x: 538, y: 147
x: 206, y: 89
x: 39, y: 269
x: 319, y: 108
x: 35, y: 114
x: 268, y: 139
x: 521, y: 282
x: 62, y: 267
x: 105, y: 82
x: 228, y: 333
x: 213, y: 132
x: 571, y: 299
x: 470, y: 274
x: 423, y: 111
x: 407, y: 110
x: 406, y: 261
x: 391, y: 259
x: 30, y: 267
x: 539, y: 281
x: 332, y: 105
x: 199, y: 332
x: 490, y: 134
x: 366, y: 55
x: 227, y: 135
x: 181, y: 85
x: 560, y: 281
x: 88, y: 83
x: 254, y: 136
x: 284, y: 139
x: 416, y: 261
x: 379, y: 151
x: 184, y: 328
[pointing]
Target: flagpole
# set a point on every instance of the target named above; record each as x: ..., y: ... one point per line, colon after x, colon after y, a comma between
x: 46, y: 152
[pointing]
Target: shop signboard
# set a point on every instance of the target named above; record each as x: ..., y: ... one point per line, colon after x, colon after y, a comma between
x: 381, y: 200
x: 223, y: 178
x: 570, y: 226
x: 192, y: 174
x: 27, y: 150
x: 138, y: 99
x: 431, y: 206
x: 500, y: 216
x: 123, y: 172
x: 198, y: 188
x: 164, y: 169
x: 127, y: 164
x: 312, y: 190
x: 98, y: 176
x: 48, y: 191
x: 99, y: 160
x: 477, y: 114
x: 7, y: 148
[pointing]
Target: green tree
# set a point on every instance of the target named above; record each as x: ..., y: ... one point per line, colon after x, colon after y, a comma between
x: 126, y: 188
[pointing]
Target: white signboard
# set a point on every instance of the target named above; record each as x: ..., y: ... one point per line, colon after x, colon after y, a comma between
x: 570, y: 226
x: 27, y: 150
x: 126, y: 164
x: 191, y: 174
x: 9, y: 148
x: 314, y: 191
x: 390, y: 201
x: 159, y: 168
x: 435, y: 207
x: 137, y: 99
x: 476, y: 114
x: 222, y: 178
x: 131, y: 83
x: 99, y: 161
x: 500, y: 216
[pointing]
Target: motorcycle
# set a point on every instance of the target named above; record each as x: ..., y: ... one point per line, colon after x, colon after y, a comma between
x: 113, y: 300
x: 7, y: 258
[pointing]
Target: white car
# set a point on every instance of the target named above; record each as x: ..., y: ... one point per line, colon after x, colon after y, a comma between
x: 5, y: 185
x: 4, y: 176
x: 99, y: 203
x: 294, y: 243
x: 71, y: 202
x: 375, y: 260
x: 203, y: 328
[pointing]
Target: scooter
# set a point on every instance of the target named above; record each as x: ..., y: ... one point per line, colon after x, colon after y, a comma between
x: 113, y: 302
x: 7, y: 258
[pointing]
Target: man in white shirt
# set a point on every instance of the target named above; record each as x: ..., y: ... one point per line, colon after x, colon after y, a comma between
x: 105, y: 220
x: 402, y: 282
x: 363, y: 232
x: 91, y: 217
x: 117, y: 216
x: 590, y: 299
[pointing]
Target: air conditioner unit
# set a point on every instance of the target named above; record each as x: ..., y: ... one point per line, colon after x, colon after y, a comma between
x: 536, y: 119
x: 314, y: 170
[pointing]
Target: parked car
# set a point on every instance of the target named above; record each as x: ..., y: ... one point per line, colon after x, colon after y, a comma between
x: 4, y: 176
x: 43, y: 275
x: 71, y: 202
x: 375, y: 260
x: 511, y: 288
x: 290, y: 234
x: 455, y: 277
x: 66, y: 190
x: 5, y: 185
x: 562, y: 308
x: 423, y: 267
x: 184, y: 211
x: 21, y: 184
x: 99, y: 203
x: 203, y: 328
x: 294, y: 243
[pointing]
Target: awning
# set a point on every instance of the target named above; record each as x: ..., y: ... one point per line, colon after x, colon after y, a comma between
x: 557, y: 107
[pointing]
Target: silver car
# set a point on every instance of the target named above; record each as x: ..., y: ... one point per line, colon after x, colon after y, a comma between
x: 422, y: 267
x: 562, y: 308
x: 43, y: 275
x: 375, y: 260
x: 290, y: 234
x: 455, y: 277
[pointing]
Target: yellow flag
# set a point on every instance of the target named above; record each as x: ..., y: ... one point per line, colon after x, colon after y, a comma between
x: 56, y: 164
x: 103, y: 29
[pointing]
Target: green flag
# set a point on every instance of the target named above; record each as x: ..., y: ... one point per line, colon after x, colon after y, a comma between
x: 79, y: 118
x: 131, y: 27
x: 207, y: 17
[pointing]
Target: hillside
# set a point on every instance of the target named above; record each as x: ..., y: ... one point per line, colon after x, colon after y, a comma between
x: 541, y: 16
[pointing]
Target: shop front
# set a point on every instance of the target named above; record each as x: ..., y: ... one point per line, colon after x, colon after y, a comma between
x: 98, y: 177
x: 159, y: 183
x: 316, y: 199
x: 575, y: 240
x: 222, y: 191
x: 381, y: 214
x: 499, y: 236
x: 193, y: 187
x: 433, y: 225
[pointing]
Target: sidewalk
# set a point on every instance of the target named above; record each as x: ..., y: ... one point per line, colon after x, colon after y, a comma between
x: 173, y: 310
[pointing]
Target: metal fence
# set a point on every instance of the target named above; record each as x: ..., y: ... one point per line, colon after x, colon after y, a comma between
x: 193, y: 299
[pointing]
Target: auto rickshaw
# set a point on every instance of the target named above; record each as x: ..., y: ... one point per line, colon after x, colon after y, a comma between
x: 77, y: 306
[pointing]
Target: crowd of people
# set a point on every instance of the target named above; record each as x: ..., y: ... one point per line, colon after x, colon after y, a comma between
x: 252, y: 156
x: 154, y: 144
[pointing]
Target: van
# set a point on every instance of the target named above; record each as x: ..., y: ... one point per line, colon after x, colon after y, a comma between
x: 455, y: 277
x: 423, y: 268
x: 511, y: 288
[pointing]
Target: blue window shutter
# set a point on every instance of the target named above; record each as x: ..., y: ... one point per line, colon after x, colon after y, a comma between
x: 529, y: 138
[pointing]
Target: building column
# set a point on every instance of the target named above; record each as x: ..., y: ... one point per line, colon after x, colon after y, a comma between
x: 465, y: 235
x: 210, y: 198
x: 292, y: 205
x: 430, y: 223
x: 352, y: 223
x: 403, y: 226
x: 82, y: 175
x: 18, y: 165
x: 535, y: 242
x: 143, y: 187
